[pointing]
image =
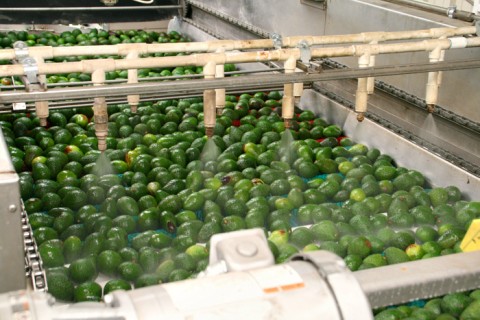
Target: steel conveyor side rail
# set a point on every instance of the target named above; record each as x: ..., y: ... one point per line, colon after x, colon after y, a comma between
x: 238, y: 83
x: 403, y: 282
x: 12, y: 259
x: 107, y: 8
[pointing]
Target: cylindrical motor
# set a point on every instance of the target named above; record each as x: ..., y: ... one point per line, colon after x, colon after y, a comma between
x: 305, y: 288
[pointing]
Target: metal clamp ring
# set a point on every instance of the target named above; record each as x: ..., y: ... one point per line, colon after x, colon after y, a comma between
x: 21, y: 50
x: 31, y: 69
x: 305, y: 54
x: 451, y: 11
x: 277, y: 40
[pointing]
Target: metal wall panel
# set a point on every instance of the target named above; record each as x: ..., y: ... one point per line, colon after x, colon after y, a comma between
x: 439, y: 173
x: 459, y: 90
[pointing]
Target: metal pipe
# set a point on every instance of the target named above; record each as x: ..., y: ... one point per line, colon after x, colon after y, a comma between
x: 149, y: 79
x: 106, y: 8
x: 239, y: 83
x: 78, y: 103
x: 48, y: 52
x: 457, y: 14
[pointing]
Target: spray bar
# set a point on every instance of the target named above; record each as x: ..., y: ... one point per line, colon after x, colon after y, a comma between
x: 90, y: 66
x: 232, y: 83
x: 48, y: 52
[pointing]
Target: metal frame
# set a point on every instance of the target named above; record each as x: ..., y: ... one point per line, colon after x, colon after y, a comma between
x: 437, y: 171
x: 251, y: 82
x: 12, y: 255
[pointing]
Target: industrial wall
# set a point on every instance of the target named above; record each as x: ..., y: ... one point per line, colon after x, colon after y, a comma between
x: 459, y: 89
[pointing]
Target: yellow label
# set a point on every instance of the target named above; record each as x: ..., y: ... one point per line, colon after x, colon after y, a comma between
x: 471, y: 241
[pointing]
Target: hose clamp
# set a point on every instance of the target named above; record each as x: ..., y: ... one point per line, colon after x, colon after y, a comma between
x: 451, y: 11
x: 30, y: 68
x: 305, y: 54
x: 458, y: 42
x: 21, y: 50
x: 277, y: 40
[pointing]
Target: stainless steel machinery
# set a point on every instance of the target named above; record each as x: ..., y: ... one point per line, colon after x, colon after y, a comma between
x: 242, y: 282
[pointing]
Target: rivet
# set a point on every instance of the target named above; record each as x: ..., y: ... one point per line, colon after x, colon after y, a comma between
x: 12, y: 208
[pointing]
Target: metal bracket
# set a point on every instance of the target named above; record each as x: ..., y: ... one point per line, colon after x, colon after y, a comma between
x: 19, y: 106
x: 305, y: 54
x: 451, y: 11
x: 31, y: 69
x: 109, y: 2
x: 238, y: 251
x: 277, y: 40
x: 21, y: 50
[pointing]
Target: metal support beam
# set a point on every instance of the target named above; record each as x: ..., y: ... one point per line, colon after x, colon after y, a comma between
x: 403, y: 282
x: 238, y: 83
x: 106, y: 8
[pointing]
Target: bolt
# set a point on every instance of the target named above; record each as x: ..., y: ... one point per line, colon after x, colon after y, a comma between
x: 430, y: 108
x: 287, y: 123
x: 247, y: 249
x: 360, y: 117
x: 109, y: 300
x: 219, y: 111
x: 12, y: 208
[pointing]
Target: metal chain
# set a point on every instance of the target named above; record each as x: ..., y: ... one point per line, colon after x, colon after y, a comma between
x: 415, y: 101
x: 456, y: 160
x: 33, y: 263
x: 248, y: 27
x: 200, y: 27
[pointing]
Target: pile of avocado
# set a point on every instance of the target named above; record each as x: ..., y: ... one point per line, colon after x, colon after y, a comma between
x: 75, y: 37
x: 143, y: 212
